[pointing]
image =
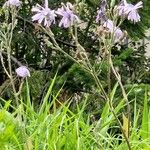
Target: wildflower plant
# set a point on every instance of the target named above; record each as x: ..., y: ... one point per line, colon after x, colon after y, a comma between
x: 111, y: 25
x: 11, y: 8
x: 107, y: 29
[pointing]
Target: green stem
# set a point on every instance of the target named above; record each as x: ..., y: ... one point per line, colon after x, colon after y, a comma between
x: 108, y: 73
x: 123, y: 91
x: 57, y: 47
x: 125, y: 98
x: 108, y: 48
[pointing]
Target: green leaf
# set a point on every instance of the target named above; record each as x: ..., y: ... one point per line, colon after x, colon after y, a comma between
x: 47, y: 94
x: 145, y: 119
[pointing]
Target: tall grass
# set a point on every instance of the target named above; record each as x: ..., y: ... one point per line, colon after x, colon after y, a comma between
x: 51, y: 128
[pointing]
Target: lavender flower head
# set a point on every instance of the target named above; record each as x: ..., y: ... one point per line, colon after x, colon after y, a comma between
x: 23, y: 72
x: 10, y: 3
x: 129, y: 10
x: 109, y: 25
x: 118, y: 34
x: 101, y: 12
x: 44, y: 14
x: 68, y: 16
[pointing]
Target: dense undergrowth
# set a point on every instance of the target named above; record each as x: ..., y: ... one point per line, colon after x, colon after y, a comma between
x: 65, y: 127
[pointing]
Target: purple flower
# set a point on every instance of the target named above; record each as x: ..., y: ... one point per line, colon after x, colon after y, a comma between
x: 10, y: 3
x: 44, y: 14
x: 118, y: 34
x: 116, y: 31
x: 101, y: 12
x: 109, y: 25
x: 129, y: 10
x: 23, y: 72
x: 68, y: 16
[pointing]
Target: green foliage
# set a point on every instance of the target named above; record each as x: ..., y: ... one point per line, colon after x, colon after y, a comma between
x: 62, y: 128
x: 119, y: 60
x: 9, y: 128
x: 145, y: 133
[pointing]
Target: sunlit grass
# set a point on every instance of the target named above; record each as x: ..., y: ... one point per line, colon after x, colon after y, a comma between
x: 51, y: 128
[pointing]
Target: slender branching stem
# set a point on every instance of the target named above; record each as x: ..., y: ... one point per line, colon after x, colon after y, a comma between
x: 92, y: 71
x: 117, y: 75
